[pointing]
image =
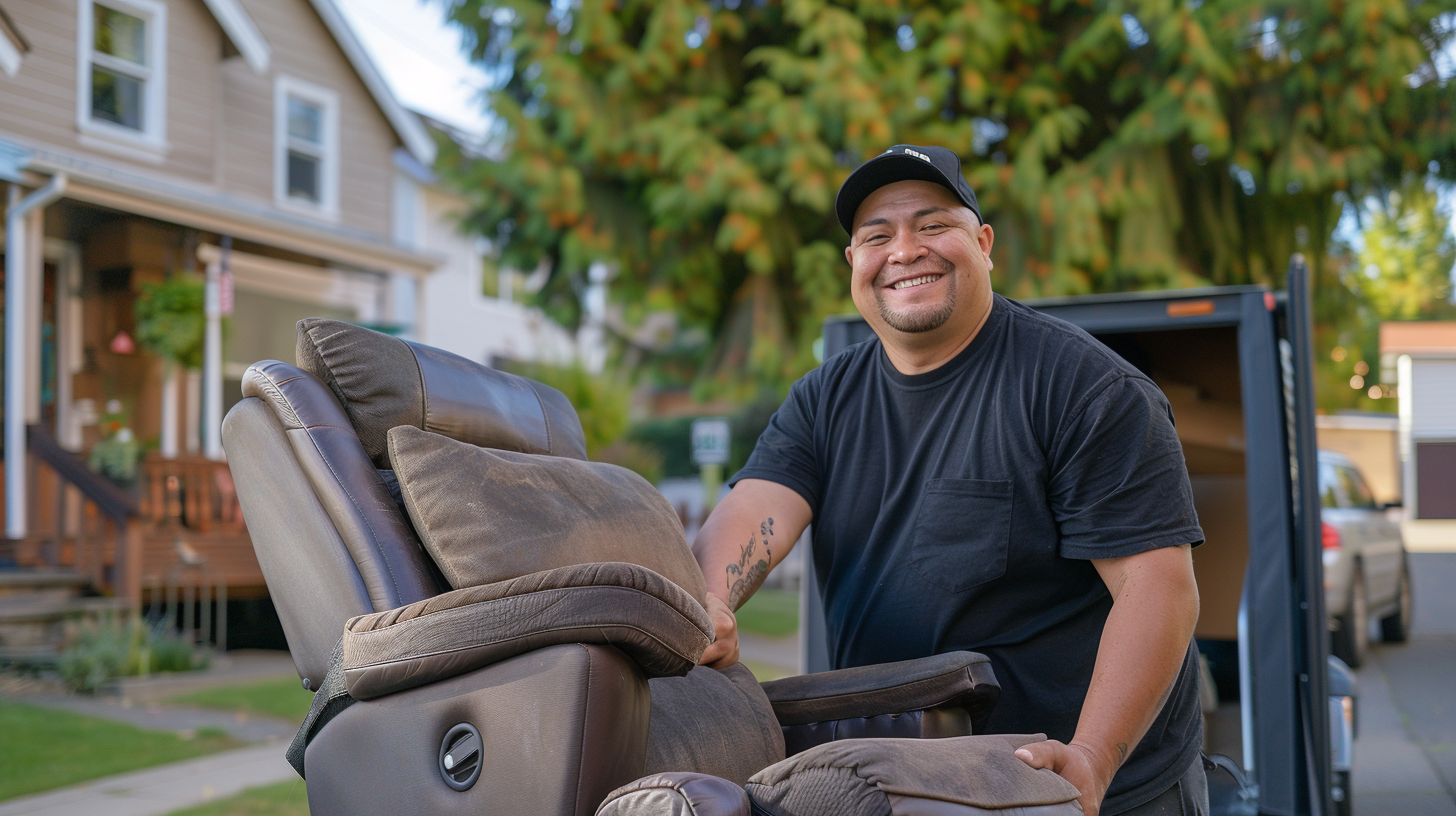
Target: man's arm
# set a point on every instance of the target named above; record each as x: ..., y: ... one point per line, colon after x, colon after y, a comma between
x: 1145, y: 640
x: 747, y: 534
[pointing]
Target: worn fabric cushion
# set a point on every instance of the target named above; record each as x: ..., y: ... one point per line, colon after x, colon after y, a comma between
x: 676, y: 794
x: 713, y: 722
x: 647, y: 617
x: 876, y: 777
x: 492, y: 515
x: 383, y: 381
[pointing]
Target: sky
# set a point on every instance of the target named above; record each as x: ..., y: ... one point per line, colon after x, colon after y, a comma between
x: 420, y: 57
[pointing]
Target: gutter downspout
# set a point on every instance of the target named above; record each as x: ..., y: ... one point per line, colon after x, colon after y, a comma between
x: 16, y: 257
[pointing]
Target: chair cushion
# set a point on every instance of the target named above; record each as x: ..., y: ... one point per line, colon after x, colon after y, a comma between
x: 492, y: 515
x: 383, y: 381
x: 644, y: 615
x: 712, y: 722
x: 676, y: 794
x: 879, y: 777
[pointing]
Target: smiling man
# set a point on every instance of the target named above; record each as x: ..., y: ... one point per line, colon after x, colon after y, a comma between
x: 983, y: 477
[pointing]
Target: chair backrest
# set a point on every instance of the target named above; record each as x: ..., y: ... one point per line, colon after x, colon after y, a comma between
x: 331, y: 540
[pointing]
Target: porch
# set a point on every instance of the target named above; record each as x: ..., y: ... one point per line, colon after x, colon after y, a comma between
x: 159, y: 533
x: 172, y: 544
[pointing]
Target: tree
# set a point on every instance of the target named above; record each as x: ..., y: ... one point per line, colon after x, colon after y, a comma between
x: 1115, y: 144
x: 1400, y: 269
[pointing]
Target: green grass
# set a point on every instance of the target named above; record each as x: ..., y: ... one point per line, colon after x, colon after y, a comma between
x: 283, y: 799
x: 43, y: 748
x: 281, y: 697
x: 770, y: 612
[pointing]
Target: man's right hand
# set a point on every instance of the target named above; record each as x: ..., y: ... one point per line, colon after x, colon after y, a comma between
x: 722, y: 652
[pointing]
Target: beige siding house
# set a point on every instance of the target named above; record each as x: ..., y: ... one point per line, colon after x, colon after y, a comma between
x: 252, y: 145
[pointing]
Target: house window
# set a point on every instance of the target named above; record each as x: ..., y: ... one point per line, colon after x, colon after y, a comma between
x: 307, y: 146
x: 122, y: 69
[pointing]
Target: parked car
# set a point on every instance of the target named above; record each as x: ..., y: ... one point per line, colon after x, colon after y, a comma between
x: 1366, y: 572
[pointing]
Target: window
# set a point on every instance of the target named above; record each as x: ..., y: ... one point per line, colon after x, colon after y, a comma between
x: 1356, y: 489
x: 1328, y: 488
x: 306, y: 156
x: 122, y: 66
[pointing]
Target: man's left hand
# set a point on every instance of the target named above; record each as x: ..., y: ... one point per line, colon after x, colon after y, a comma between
x: 1075, y: 763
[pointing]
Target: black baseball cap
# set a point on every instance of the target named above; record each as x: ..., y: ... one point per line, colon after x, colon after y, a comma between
x: 903, y: 163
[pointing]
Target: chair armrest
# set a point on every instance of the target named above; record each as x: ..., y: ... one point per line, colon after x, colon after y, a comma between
x: 942, y: 695
x: 647, y: 617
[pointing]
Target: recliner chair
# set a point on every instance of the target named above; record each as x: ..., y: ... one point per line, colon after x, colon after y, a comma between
x: 559, y: 691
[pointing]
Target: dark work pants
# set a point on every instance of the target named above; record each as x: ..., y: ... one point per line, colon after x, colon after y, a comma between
x: 1187, y: 797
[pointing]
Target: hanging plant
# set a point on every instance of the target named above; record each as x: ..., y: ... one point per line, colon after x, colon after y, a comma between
x: 170, y: 319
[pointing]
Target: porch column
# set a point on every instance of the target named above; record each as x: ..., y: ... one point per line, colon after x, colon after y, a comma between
x: 212, y: 363
x: 17, y: 402
x: 168, y: 446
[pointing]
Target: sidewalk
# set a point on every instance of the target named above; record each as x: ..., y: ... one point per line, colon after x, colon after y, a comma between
x: 161, y: 790
x: 1405, y: 751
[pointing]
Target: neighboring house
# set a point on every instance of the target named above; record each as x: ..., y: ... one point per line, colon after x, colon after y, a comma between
x: 253, y: 142
x: 1372, y: 442
x: 1423, y: 355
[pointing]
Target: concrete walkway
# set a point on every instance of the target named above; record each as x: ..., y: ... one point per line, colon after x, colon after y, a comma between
x: 1405, y: 753
x: 163, y: 789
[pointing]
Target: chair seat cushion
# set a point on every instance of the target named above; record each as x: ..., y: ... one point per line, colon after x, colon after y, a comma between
x: 712, y: 722
x: 491, y: 515
x: 881, y: 777
x: 651, y: 619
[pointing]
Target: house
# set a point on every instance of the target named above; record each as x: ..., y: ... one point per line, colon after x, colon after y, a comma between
x: 1423, y: 355
x: 250, y: 143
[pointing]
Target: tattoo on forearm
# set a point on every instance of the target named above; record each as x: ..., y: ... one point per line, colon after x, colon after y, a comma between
x: 743, y: 580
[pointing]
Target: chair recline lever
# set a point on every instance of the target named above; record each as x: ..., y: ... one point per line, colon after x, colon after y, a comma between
x: 460, y: 756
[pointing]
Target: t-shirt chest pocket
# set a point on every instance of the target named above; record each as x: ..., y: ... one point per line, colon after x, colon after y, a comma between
x: 962, y: 532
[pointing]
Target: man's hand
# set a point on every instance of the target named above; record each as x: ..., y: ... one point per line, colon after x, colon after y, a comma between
x: 1075, y: 763
x: 723, y: 652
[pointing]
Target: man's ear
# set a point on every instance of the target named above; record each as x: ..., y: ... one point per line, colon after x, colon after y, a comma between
x: 987, y: 238
x: 849, y: 256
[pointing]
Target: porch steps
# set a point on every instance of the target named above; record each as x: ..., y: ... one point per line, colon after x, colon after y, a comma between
x: 40, y: 607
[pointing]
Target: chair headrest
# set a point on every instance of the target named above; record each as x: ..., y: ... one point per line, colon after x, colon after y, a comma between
x: 384, y: 382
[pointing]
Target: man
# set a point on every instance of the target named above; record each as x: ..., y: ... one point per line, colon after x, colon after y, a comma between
x: 984, y: 477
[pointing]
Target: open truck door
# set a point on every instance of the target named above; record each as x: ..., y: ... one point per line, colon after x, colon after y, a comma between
x: 1235, y: 363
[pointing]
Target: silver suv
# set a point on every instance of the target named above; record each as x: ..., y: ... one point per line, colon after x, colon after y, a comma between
x: 1366, y: 573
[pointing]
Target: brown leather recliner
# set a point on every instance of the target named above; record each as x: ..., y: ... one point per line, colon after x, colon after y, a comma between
x: 555, y: 692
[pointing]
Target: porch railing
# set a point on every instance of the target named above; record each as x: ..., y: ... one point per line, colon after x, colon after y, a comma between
x: 194, y: 491
x: 99, y: 530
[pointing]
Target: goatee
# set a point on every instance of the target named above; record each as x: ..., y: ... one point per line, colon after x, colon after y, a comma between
x: 925, y: 318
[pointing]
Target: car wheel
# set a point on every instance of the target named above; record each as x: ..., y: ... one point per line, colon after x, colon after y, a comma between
x: 1351, y: 640
x: 1395, y: 627
x: 1340, y: 792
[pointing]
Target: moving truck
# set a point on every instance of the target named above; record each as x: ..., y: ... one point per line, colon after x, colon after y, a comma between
x: 1235, y: 364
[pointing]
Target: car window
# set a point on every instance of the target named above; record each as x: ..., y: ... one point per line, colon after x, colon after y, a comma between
x: 1356, y: 490
x: 1328, y: 486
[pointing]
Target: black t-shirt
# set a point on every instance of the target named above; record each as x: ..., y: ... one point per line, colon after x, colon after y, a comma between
x: 959, y: 508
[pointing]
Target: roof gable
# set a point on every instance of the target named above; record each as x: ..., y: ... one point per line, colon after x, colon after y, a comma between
x: 405, y: 124
x: 243, y: 32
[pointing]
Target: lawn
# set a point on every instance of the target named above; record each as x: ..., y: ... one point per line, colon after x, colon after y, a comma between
x: 44, y: 748
x: 283, y: 799
x: 281, y: 697
x: 770, y: 612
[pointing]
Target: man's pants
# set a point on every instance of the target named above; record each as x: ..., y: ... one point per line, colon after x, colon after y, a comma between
x: 1187, y: 797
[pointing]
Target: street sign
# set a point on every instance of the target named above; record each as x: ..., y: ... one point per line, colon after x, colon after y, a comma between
x: 710, y: 441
